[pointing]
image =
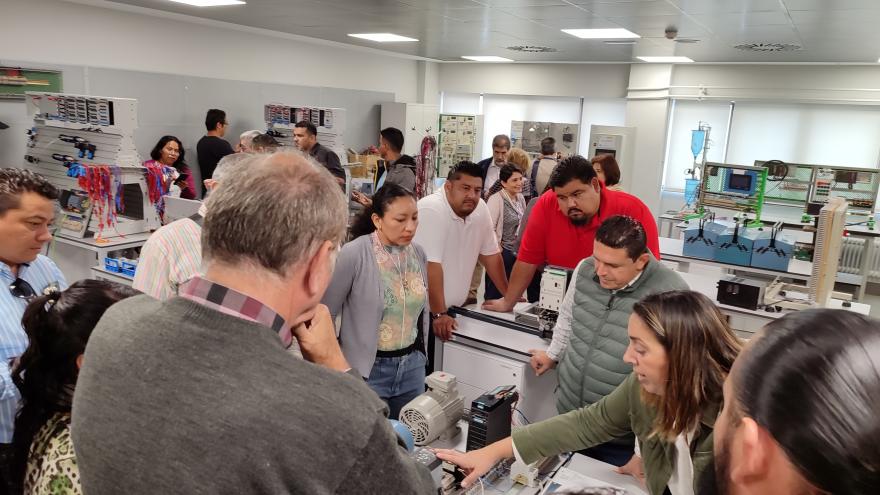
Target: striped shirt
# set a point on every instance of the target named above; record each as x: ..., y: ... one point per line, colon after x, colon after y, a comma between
x: 228, y: 301
x: 39, y: 273
x: 170, y: 257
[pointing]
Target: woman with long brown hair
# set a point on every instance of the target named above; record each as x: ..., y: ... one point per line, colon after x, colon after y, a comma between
x: 681, y: 350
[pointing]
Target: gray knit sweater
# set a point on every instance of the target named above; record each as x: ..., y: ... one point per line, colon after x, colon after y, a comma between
x: 174, y: 397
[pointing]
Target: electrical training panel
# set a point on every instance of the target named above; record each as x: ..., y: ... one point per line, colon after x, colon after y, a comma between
x: 80, y: 133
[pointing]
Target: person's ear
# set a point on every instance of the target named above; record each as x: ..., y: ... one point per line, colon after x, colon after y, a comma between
x: 376, y: 221
x: 597, y: 185
x: 79, y: 361
x: 753, y: 456
x: 642, y: 260
x: 320, y: 269
x: 447, y: 186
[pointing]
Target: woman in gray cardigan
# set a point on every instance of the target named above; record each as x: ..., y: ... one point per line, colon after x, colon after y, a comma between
x: 379, y: 287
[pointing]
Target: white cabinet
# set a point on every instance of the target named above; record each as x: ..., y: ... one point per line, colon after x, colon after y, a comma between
x: 479, y: 371
x: 415, y: 120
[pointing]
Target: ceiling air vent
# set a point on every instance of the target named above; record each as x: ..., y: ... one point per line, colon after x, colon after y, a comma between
x: 768, y: 47
x: 532, y: 49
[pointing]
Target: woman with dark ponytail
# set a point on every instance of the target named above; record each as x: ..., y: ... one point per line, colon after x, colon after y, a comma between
x: 58, y: 325
x: 379, y: 287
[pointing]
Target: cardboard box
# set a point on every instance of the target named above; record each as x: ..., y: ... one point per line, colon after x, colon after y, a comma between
x: 367, y: 167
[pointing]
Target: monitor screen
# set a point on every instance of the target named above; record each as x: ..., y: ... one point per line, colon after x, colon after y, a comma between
x: 739, y: 182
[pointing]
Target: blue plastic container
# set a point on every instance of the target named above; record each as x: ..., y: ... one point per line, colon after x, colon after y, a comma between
x: 735, y: 243
x: 776, y: 256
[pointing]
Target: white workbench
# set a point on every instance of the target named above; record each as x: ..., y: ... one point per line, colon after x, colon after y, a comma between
x: 76, y: 257
x: 483, y: 355
x: 672, y: 250
x: 587, y: 466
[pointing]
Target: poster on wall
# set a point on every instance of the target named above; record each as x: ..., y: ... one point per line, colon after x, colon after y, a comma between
x: 528, y: 135
x: 14, y: 81
x: 457, y: 140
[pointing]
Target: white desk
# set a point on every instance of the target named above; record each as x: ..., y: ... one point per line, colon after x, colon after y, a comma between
x: 599, y: 471
x: 587, y: 466
x: 672, y: 250
x: 76, y: 257
x: 101, y: 273
x: 670, y: 222
x: 483, y: 355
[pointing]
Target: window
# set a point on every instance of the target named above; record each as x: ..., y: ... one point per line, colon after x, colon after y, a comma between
x: 841, y: 135
x: 686, y: 116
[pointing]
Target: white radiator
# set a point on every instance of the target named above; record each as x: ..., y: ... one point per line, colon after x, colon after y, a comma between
x: 851, y: 257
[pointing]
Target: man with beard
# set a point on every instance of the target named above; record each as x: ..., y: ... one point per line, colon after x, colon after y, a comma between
x: 563, y: 224
x: 456, y: 231
x: 800, y: 409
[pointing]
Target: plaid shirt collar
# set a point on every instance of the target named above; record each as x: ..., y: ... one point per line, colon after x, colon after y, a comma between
x: 225, y: 300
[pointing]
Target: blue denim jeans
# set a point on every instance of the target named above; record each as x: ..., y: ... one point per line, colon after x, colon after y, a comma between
x: 398, y: 380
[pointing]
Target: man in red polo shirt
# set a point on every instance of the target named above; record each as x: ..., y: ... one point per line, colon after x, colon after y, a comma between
x: 563, y: 224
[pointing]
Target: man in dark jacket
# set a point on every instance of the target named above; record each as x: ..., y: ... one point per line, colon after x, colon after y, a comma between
x: 492, y: 166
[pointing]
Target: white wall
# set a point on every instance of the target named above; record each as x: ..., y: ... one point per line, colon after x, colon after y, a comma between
x: 847, y: 84
x: 58, y: 32
x: 584, y: 80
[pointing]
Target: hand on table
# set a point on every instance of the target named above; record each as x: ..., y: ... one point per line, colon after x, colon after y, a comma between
x: 633, y: 468
x: 541, y: 362
x: 475, y: 463
x: 498, y: 305
x: 444, y: 326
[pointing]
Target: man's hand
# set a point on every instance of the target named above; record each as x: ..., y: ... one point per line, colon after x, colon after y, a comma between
x: 633, y: 468
x: 444, y: 326
x: 498, y: 305
x: 317, y: 340
x: 361, y: 198
x: 541, y: 362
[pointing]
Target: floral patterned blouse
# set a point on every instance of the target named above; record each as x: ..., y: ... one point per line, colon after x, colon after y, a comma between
x: 51, y: 464
x: 403, y: 290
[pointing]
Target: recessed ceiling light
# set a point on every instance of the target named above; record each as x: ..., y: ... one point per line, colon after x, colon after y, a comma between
x: 666, y: 60
x: 601, y: 34
x: 487, y: 58
x: 382, y: 37
x: 210, y: 3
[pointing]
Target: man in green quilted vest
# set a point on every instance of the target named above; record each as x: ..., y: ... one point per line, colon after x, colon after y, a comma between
x: 590, y: 335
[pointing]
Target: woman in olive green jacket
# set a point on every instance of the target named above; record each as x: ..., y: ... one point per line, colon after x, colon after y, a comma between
x: 681, y: 350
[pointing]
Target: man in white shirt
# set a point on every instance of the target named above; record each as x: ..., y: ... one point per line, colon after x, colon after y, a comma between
x: 455, y: 232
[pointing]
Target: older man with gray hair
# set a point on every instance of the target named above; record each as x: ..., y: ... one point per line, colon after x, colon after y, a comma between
x: 173, y: 254
x: 198, y: 395
x: 245, y: 141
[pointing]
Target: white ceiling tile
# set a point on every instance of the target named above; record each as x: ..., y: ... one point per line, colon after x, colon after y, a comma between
x: 828, y: 5
x: 628, y: 9
x: 697, y: 7
x: 830, y: 30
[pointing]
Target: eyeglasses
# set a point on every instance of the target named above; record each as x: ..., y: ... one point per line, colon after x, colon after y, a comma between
x: 21, y: 289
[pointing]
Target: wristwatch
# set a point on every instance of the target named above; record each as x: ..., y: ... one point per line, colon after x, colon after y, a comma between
x: 434, y: 316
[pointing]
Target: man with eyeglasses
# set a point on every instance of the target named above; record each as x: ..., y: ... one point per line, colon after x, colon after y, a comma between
x: 27, y: 209
x: 212, y: 147
x: 563, y: 224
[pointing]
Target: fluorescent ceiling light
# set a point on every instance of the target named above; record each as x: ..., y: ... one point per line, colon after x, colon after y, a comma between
x: 601, y: 34
x: 486, y: 58
x: 210, y: 3
x: 382, y: 37
x: 666, y: 60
